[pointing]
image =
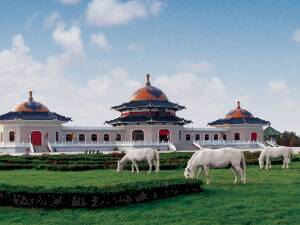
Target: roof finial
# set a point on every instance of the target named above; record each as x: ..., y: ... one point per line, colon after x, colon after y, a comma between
x: 30, y: 96
x: 238, y: 104
x: 148, y: 79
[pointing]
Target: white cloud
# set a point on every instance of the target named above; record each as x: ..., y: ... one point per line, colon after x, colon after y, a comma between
x: 282, y: 92
x: 100, y: 41
x: 206, y: 99
x: 52, y: 20
x: 50, y: 81
x: 197, y: 67
x: 278, y: 87
x: 156, y: 7
x: 69, y: 39
x: 296, y: 36
x: 135, y: 47
x: 117, y: 12
x: 87, y: 102
x: 69, y: 2
x: 31, y: 20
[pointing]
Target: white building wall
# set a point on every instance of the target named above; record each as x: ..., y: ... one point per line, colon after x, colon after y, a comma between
x: 89, y: 131
x: 23, y: 130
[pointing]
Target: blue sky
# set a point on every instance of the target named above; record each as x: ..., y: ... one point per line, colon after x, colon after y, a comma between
x: 230, y: 50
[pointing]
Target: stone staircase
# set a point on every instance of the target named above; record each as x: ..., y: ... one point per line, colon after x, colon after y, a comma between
x: 187, y: 147
x: 41, y: 149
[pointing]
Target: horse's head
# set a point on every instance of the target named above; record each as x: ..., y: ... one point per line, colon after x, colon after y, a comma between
x: 188, y: 173
x: 120, y: 166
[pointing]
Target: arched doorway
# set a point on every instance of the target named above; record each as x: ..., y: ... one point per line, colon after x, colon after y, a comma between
x: 137, y: 135
x: 253, y: 136
x: 237, y: 136
x: 164, y: 135
x: 36, y: 138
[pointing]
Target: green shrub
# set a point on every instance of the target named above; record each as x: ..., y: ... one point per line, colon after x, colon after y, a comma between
x: 174, y: 160
x: 95, y: 197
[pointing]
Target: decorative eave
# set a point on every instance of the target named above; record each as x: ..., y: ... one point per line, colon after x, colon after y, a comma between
x: 43, y: 116
x: 237, y: 121
x: 148, y: 120
x: 148, y: 104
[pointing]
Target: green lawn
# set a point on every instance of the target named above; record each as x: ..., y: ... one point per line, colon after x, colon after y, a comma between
x: 84, y: 178
x: 270, y: 197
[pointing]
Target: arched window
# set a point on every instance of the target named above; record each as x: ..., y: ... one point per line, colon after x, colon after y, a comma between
x: 179, y: 135
x: 253, y: 136
x: 197, y: 138
x: 106, y: 137
x: 187, y: 137
x: 206, y: 137
x: 11, y: 136
x: 81, y: 137
x: 137, y: 135
x: 94, y: 137
x: 216, y: 137
x: 224, y: 137
x: 69, y: 137
x: 57, y: 136
x: 237, y: 136
x: 119, y: 137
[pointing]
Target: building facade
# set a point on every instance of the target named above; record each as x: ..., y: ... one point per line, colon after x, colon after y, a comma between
x: 147, y: 119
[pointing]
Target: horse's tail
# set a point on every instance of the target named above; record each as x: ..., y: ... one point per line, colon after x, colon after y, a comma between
x: 156, y: 160
x: 243, y: 163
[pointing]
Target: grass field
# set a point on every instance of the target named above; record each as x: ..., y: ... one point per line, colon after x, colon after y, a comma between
x: 270, y: 197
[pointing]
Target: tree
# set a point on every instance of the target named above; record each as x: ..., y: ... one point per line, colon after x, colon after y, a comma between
x: 289, y: 139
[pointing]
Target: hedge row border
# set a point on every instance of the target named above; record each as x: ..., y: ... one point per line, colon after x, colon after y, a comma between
x: 95, y: 197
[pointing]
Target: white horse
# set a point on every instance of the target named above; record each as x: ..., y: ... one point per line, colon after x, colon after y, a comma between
x: 275, y: 152
x: 217, y: 158
x: 142, y: 154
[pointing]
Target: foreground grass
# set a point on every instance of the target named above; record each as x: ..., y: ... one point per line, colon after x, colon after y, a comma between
x: 270, y: 197
x: 84, y: 178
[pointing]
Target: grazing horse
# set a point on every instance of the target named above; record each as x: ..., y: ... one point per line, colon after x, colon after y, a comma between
x: 141, y: 154
x: 217, y: 158
x: 275, y: 152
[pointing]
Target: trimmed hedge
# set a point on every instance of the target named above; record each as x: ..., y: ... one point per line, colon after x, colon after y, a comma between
x: 80, y: 162
x: 95, y: 197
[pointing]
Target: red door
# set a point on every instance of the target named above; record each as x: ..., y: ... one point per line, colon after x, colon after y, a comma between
x: 164, y: 135
x: 253, y: 136
x: 36, y: 138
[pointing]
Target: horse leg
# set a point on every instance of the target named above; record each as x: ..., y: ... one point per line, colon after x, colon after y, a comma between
x: 136, y: 167
x: 132, y: 167
x: 234, y: 173
x: 267, y: 162
x: 150, y: 166
x: 199, y: 172
x: 206, y: 174
x: 285, y: 163
x: 155, y: 164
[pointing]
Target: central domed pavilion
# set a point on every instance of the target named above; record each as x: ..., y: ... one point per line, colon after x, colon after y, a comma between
x: 148, y: 105
x: 149, y: 113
